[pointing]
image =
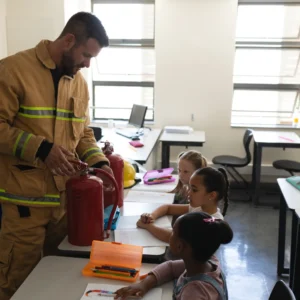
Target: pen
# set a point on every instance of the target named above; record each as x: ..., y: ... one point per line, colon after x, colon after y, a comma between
x: 112, y: 272
x: 112, y: 268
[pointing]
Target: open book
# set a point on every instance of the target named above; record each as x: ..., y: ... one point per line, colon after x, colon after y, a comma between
x: 128, y: 233
x: 93, y: 290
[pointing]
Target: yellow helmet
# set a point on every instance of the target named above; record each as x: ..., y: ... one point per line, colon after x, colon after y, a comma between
x: 129, y: 175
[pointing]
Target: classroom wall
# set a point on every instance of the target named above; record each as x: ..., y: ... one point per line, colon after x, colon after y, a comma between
x: 194, y: 63
x: 194, y: 68
x: 3, y: 44
x: 29, y: 21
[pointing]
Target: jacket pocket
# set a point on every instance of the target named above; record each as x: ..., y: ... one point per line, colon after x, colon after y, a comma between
x: 78, y: 122
x: 6, y: 248
x: 27, y: 183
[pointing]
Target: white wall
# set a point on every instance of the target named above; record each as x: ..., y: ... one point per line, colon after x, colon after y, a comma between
x: 3, y: 44
x: 194, y: 68
x: 29, y: 21
x: 195, y: 55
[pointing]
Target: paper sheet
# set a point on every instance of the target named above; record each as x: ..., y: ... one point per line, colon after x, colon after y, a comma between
x: 129, y: 222
x: 138, y: 237
x: 150, y: 197
x: 151, y: 295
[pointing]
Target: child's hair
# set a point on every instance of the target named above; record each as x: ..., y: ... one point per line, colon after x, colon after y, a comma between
x: 216, y: 180
x: 203, y: 233
x: 198, y: 161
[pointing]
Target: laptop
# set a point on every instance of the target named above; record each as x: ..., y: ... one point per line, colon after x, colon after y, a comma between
x: 137, y: 118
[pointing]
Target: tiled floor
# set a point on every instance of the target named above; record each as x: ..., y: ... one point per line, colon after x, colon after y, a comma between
x: 250, y: 260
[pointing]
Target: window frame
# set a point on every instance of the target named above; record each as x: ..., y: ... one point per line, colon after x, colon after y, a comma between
x: 122, y: 43
x: 284, y: 43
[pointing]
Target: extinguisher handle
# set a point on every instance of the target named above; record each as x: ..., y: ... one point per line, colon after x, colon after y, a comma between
x: 112, y: 179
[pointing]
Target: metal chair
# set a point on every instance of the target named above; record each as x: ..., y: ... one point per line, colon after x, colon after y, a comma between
x: 97, y: 132
x: 281, y: 292
x: 230, y: 162
x: 290, y: 166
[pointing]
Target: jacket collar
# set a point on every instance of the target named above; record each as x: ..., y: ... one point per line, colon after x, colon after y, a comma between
x: 43, y: 54
x: 45, y: 58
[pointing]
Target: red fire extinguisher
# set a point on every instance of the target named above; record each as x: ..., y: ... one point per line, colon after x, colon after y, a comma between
x: 85, y: 206
x: 117, y: 166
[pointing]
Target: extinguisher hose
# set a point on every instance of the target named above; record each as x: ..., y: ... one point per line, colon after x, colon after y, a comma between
x: 112, y: 179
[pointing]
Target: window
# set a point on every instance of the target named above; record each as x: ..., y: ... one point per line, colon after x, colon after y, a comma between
x: 267, y: 63
x: 123, y: 74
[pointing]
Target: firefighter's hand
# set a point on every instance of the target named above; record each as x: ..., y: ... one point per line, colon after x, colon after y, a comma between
x: 58, y: 163
x: 107, y: 169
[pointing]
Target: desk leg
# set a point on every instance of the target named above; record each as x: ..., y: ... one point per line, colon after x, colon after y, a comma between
x: 256, y: 170
x: 165, y: 155
x: 296, y: 279
x: 293, y: 249
x: 281, y: 237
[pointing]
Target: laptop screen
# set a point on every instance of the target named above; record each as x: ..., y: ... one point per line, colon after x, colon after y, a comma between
x: 137, y: 115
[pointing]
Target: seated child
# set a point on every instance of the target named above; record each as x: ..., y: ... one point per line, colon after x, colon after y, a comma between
x: 195, y: 238
x: 188, y: 163
x: 207, y: 187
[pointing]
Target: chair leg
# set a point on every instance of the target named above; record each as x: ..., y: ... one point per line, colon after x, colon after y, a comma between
x: 242, y: 178
x: 230, y: 173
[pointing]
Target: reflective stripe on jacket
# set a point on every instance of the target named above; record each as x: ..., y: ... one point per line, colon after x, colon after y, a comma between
x: 29, y: 114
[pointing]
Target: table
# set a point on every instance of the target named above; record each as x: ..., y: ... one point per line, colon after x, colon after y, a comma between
x: 60, y: 278
x: 122, y: 146
x: 270, y: 139
x: 290, y: 199
x: 150, y: 254
x: 193, y: 139
x: 295, y: 284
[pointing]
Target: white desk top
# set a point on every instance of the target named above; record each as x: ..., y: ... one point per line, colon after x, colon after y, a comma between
x: 291, y: 194
x: 159, y: 188
x: 194, y: 136
x: 276, y: 137
x: 128, y: 209
x: 58, y: 277
x: 122, y: 146
x: 297, y: 211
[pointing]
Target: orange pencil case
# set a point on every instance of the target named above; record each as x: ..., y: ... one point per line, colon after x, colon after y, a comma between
x: 112, y: 260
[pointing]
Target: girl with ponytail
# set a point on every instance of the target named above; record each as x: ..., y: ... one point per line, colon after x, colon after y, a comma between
x: 195, y: 238
x: 207, y: 187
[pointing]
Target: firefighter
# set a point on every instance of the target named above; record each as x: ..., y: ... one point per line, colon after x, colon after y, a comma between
x: 43, y: 127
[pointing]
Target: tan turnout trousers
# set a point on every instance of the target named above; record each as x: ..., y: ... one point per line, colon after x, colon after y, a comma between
x: 23, y: 241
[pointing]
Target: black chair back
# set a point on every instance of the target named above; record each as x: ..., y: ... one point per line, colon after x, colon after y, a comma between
x: 281, y: 292
x: 246, y: 141
x: 97, y: 133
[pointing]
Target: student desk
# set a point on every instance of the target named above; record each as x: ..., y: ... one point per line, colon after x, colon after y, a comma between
x: 193, y: 139
x: 150, y: 254
x: 57, y: 277
x: 122, y: 146
x: 270, y: 139
x: 290, y: 199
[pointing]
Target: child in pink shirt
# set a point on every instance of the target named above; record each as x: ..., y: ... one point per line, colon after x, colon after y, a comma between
x: 195, y: 238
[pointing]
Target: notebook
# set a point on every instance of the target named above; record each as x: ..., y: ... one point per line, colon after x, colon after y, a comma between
x: 128, y: 233
x: 88, y: 294
x: 294, y: 181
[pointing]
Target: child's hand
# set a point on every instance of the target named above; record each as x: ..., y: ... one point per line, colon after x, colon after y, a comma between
x: 147, y: 218
x: 136, y: 290
x: 141, y: 224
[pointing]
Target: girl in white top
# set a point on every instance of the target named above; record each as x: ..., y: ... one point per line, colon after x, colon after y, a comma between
x: 207, y: 187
